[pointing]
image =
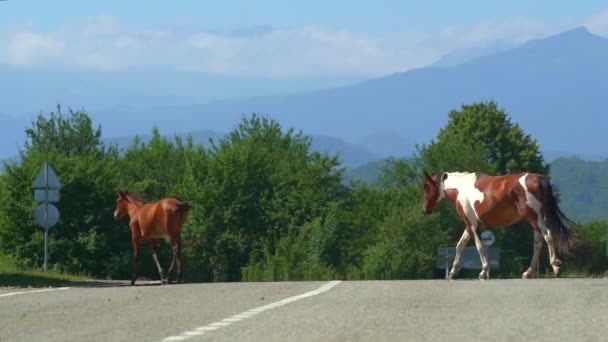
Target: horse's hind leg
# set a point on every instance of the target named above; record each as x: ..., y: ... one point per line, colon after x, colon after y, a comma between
x: 175, y: 261
x: 555, y: 262
x: 155, y: 257
x: 135, y: 259
x: 179, y: 262
x: 538, y: 245
x: 459, y: 247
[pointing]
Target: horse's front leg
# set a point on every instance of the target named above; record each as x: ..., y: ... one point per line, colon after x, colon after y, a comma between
x: 464, y: 239
x: 538, y: 245
x: 485, y: 267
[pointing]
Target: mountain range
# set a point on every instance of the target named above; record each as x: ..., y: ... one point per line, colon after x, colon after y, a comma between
x: 554, y: 88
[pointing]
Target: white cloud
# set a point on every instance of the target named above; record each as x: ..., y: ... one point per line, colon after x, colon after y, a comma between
x: 598, y: 24
x: 105, y: 43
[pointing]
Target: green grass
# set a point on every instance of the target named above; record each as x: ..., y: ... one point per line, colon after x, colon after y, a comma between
x: 13, y: 276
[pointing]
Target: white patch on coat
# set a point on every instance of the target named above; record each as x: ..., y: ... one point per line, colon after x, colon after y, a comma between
x: 533, y: 203
x: 468, y: 194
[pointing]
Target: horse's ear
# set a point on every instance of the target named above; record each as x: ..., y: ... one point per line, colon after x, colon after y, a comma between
x: 428, y: 177
x: 121, y: 194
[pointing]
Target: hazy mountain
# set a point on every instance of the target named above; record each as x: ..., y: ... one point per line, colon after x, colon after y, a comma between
x: 554, y: 88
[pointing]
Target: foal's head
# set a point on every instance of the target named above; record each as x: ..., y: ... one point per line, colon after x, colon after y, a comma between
x: 122, y: 206
x: 432, y: 191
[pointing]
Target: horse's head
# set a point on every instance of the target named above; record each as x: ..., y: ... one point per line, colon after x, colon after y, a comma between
x: 432, y: 191
x: 122, y: 205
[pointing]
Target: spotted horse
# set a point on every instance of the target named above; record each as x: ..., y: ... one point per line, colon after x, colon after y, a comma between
x: 502, y: 201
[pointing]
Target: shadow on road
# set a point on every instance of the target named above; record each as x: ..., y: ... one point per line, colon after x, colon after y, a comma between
x: 111, y: 283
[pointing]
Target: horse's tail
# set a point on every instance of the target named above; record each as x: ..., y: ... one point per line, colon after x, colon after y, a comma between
x: 184, y: 206
x: 554, y: 218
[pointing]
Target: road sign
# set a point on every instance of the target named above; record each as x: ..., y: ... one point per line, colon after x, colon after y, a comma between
x: 46, y: 178
x: 46, y: 215
x: 46, y: 195
x: 487, y: 238
x: 46, y: 189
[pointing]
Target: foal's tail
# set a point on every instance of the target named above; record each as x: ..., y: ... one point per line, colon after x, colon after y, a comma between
x: 555, y: 219
x: 184, y: 206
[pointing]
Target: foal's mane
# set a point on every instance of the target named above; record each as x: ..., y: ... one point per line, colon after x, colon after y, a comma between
x: 137, y: 198
x: 140, y: 199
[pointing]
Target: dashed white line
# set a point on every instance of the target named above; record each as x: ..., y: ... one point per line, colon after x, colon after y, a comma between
x: 248, y: 314
x: 34, y: 291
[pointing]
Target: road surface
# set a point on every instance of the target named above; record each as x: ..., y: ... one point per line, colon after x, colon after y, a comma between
x: 426, y: 310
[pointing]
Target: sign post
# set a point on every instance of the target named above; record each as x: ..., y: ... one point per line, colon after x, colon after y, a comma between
x: 46, y: 190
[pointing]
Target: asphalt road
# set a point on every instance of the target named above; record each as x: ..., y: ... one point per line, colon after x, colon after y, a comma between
x: 433, y: 310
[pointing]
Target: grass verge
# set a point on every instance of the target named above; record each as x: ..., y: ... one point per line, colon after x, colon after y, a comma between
x: 13, y: 276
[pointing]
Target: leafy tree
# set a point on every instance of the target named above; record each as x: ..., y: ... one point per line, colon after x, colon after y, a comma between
x: 483, y: 136
x: 85, y: 240
x: 260, y: 183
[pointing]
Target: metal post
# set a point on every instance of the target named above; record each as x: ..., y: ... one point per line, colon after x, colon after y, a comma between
x: 447, y: 263
x: 46, y: 215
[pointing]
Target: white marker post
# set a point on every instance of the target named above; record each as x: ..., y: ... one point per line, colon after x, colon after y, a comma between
x: 487, y: 239
x: 46, y: 189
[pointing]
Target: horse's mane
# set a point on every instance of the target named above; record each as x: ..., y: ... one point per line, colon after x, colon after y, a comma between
x: 135, y: 197
x: 140, y: 199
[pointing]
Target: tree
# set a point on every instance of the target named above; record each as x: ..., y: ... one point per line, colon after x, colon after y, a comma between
x: 484, y: 136
x: 86, y: 240
x: 261, y: 181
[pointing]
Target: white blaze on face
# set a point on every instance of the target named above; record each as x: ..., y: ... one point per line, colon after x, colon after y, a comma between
x: 468, y: 194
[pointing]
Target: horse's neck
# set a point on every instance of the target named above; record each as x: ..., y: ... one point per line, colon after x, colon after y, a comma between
x: 136, y: 202
x: 459, y: 180
x: 134, y: 205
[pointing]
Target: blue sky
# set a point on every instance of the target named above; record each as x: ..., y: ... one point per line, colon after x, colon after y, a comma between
x: 273, y: 39
x: 363, y: 16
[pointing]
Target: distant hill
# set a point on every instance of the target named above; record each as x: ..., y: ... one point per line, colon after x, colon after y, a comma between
x: 367, y: 173
x: 583, y: 186
x: 554, y: 88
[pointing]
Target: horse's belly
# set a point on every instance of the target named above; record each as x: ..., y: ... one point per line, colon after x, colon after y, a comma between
x: 500, y: 216
x: 153, y: 231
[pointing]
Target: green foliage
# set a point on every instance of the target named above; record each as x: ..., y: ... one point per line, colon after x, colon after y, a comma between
x: 80, y: 242
x: 481, y: 137
x: 266, y: 181
x: 590, y: 251
x: 265, y: 207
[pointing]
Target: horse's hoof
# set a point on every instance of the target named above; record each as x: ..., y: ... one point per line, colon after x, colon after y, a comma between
x: 527, y: 275
x: 557, y: 271
x: 164, y: 282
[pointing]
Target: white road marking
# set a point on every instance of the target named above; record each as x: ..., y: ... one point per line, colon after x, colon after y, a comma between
x: 35, y: 291
x: 248, y: 314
